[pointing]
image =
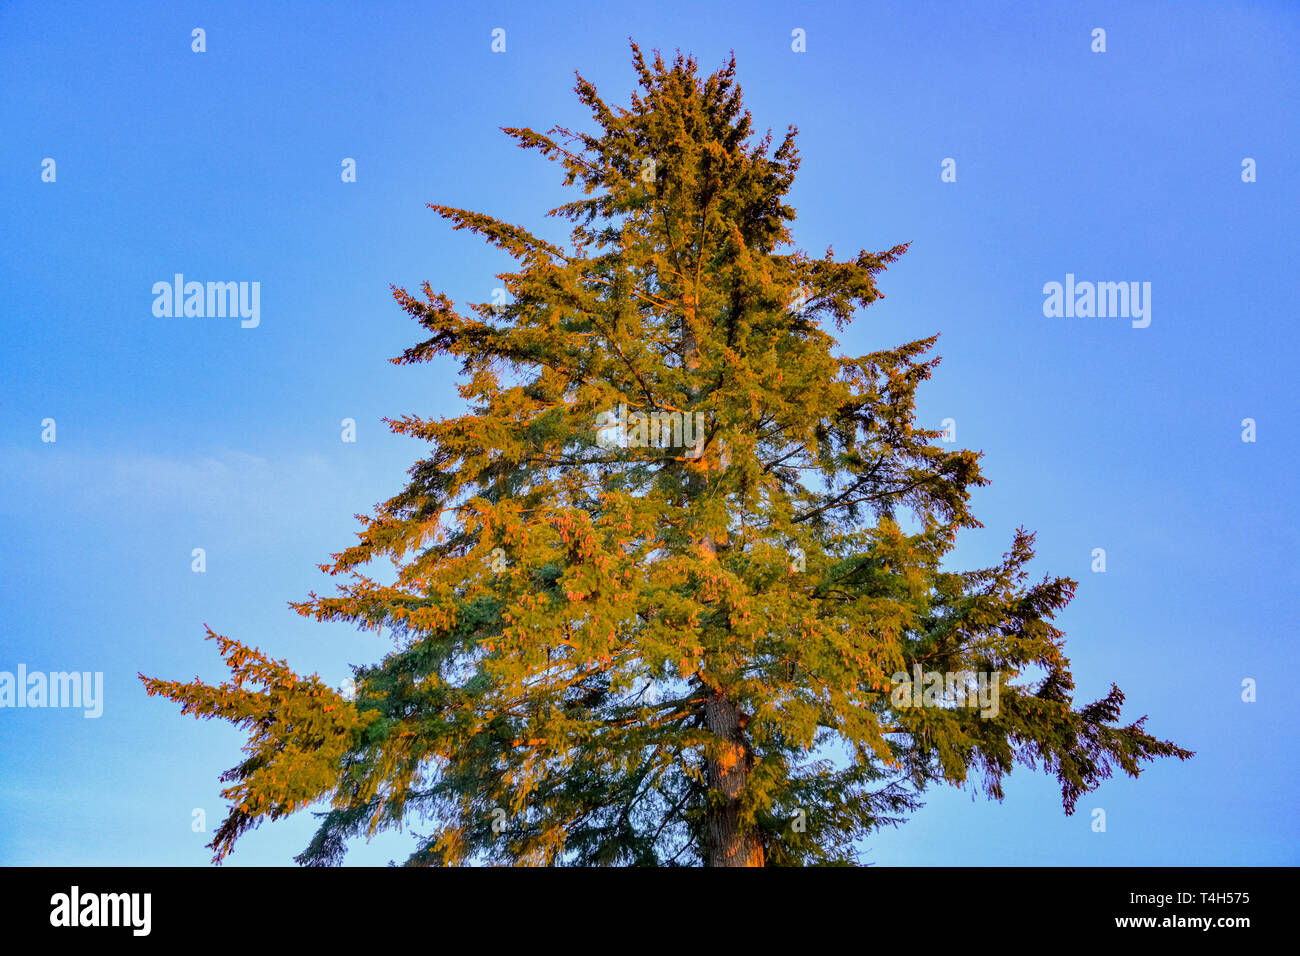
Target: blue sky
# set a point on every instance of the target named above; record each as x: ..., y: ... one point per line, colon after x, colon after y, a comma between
x: 177, y: 433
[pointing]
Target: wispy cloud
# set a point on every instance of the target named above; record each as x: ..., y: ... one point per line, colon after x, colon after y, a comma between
x: 222, y: 483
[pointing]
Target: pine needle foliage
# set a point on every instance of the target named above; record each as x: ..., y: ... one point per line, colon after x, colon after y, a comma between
x: 682, y: 645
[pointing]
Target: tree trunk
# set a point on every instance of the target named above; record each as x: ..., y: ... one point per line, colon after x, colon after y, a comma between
x: 729, y: 844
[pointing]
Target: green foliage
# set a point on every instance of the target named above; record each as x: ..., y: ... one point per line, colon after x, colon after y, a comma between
x: 661, y: 655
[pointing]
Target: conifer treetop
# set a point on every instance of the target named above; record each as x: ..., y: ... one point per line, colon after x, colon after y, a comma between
x: 683, y: 645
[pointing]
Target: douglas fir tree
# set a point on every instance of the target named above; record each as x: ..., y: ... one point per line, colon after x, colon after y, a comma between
x: 670, y: 591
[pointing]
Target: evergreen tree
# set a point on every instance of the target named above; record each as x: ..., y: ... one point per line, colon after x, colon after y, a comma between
x: 663, y: 591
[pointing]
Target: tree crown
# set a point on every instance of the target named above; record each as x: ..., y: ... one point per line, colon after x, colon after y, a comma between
x: 657, y: 587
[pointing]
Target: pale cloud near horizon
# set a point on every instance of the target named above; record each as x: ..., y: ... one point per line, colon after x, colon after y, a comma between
x: 223, y: 482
